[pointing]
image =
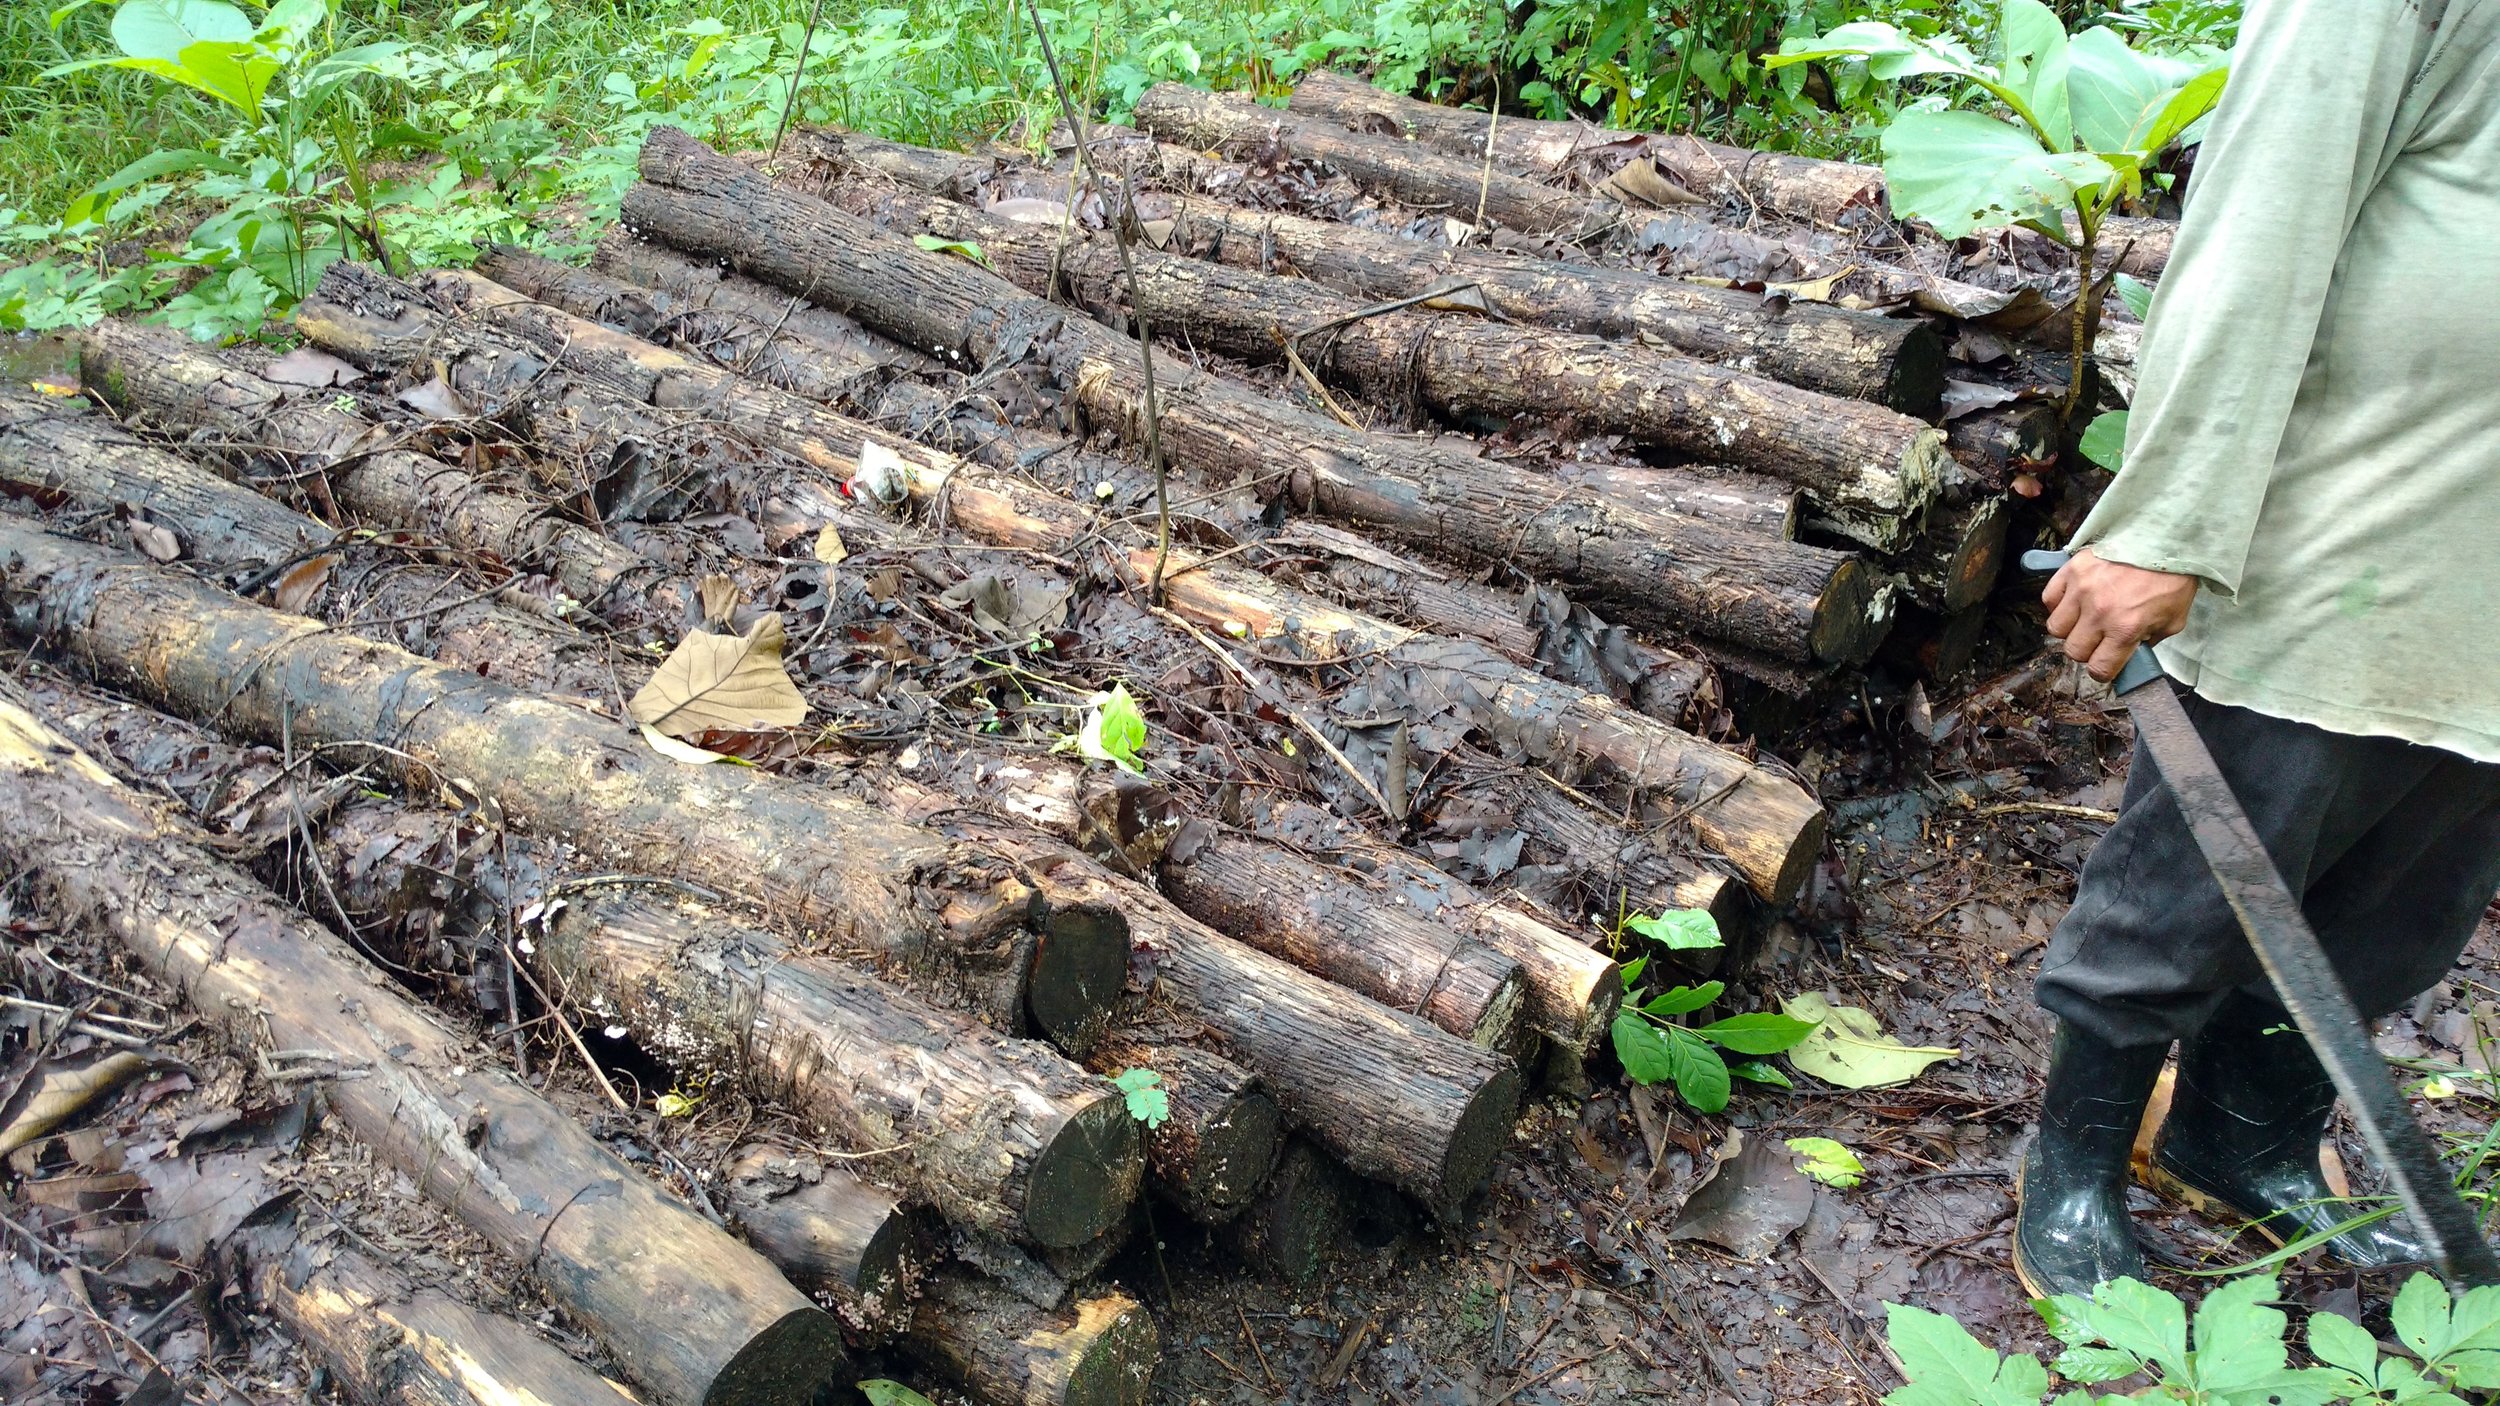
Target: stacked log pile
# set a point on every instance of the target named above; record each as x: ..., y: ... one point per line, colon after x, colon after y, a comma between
x: 1430, y: 617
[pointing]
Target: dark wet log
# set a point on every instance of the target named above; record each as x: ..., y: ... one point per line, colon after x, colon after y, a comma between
x: 169, y: 382
x: 389, y: 1341
x: 1715, y: 493
x: 1869, y: 470
x: 1213, y: 1151
x: 48, y: 448
x: 1001, y: 1135
x: 952, y: 918
x: 1231, y: 123
x: 1538, y: 627
x: 1303, y: 1219
x: 1998, y: 443
x: 1958, y: 555
x: 690, y: 1315
x: 861, y: 1252
x: 1769, y: 827
x: 1098, y: 1351
x: 1635, y: 875
x: 1894, y: 361
x: 1415, y: 489
x: 242, y: 536
x: 1940, y: 648
x: 1332, y: 924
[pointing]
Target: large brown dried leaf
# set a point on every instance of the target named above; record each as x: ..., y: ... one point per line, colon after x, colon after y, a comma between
x: 302, y: 581
x: 60, y: 1089
x: 734, y: 683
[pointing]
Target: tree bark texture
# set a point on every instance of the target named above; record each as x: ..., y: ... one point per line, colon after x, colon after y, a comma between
x: 391, y: 1342
x: 1897, y: 362
x: 1417, y: 490
x: 1213, y: 1149
x: 1869, y: 470
x: 1996, y: 444
x: 950, y: 917
x: 1769, y: 827
x: 1098, y: 1351
x: 170, y: 383
x: 689, y: 1314
x: 861, y: 1252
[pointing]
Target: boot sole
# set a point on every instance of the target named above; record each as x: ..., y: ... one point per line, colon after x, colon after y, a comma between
x: 2022, y: 1271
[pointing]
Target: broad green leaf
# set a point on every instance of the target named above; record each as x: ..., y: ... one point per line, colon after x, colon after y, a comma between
x: 2420, y: 1315
x: 2471, y: 1371
x: 1632, y: 971
x: 162, y: 29
x: 2033, y: 66
x: 1946, y: 1366
x: 1848, y: 1048
x: 2115, y: 92
x: 1828, y: 1161
x: 1759, y: 1033
x: 290, y: 22
x: 2182, y: 109
x: 1681, y: 930
x: 2093, y: 1365
x: 1114, y: 731
x: 1761, y: 1072
x: 236, y: 74
x: 1960, y: 171
x: 2239, y: 1336
x: 1700, y: 1075
x: 2474, y: 1325
x: 2339, y: 1342
x: 2135, y: 1317
x: 1889, y: 54
x: 1148, y: 1102
x: 164, y: 163
x: 2104, y: 441
x: 1683, y: 1000
x: 1642, y: 1048
x: 2136, y: 294
x: 881, y: 1392
x: 960, y: 248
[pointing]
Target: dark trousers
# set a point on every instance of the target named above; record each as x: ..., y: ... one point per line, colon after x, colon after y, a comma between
x: 2393, y: 847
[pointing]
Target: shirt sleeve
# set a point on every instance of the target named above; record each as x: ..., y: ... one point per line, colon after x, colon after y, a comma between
x: 2298, y: 141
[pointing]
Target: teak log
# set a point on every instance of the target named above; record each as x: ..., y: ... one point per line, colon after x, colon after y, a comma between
x: 690, y: 1315
x: 1098, y: 1351
x: 954, y: 917
x: 1302, y: 1220
x: 1214, y: 1148
x: 704, y: 203
x: 169, y: 382
x: 2000, y: 442
x: 859, y: 1250
x: 1897, y: 362
x: 1870, y: 471
x: 1803, y: 187
x: 1957, y: 558
x: 389, y: 1341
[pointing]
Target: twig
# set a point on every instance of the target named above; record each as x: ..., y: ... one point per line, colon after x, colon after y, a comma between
x: 1484, y: 179
x: 2105, y: 817
x: 1309, y: 728
x: 1261, y: 1353
x: 556, y: 1010
x: 798, y: 72
x: 1136, y: 301
x: 1539, y: 1379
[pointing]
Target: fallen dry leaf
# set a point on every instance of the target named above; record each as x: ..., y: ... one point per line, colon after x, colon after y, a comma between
x: 1029, y: 210
x: 734, y: 683
x: 1640, y: 182
x: 156, y: 541
x: 295, y: 589
x: 435, y: 400
x: 1751, y: 1204
x: 717, y: 597
x: 311, y: 366
x: 57, y: 1091
x: 829, y: 546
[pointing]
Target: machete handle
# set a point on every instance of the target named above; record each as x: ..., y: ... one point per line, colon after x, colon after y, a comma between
x: 2141, y: 667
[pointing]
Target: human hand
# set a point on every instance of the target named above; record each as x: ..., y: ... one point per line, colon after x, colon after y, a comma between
x: 2104, y: 609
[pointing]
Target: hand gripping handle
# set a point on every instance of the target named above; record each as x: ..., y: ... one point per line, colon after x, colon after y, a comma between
x: 2141, y: 667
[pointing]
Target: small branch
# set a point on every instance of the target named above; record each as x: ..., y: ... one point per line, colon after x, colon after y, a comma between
x: 798, y: 71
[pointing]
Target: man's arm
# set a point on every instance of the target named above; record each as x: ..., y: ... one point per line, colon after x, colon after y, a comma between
x: 2299, y: 140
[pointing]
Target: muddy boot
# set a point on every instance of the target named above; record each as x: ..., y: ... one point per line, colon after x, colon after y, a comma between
x: 2071, y: 1230
x: 2241, y: 1141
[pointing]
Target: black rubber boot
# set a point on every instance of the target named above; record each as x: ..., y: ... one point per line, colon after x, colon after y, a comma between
x: 2071, y: 1231
x: 2241, y: 1140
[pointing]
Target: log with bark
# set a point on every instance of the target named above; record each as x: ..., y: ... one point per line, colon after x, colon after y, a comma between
x: 1763, y: 823
x: 952, y: 918
x: 1958, y: 556
x: 1541, y: 628
x: 1869, y: 471
x: 860, y: 1251
x: 1802, y: 187
x: 269, y: 433
x: 1997, y: 444
x: 1220, y: 1133
x: 1302, y: 1220
x: 1098, y: 1351
x: 387, y: 1340
x: 690, y: 1315
x: 704, y: 203
x: 1897, y: 362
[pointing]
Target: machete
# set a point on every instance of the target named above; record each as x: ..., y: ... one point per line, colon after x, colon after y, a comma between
x: 2303, y: 979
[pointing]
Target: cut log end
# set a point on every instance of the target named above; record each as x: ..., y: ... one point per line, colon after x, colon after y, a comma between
x: 1482, y: 1132
x: 1085, y: 1177
x: 1304, y: 1218
x: 1916, y: 383
x: 1234, y: 1151
x: 1115, y: 1364
x: 1847, y: 625
x: 1077, y: 973
x: 1099, y: 1351
x: 1978, y: 555
x: 782, y: 1366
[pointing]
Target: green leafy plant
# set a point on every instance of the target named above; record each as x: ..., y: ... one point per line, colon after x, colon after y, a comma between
x: 1655, y: 1048
x: 2076, y: 127
x: 1114, y: 731
x: 2235, y: 1351
x: 1828, y: 1161
x: 881, y: 1391
x: 1148, y: 1102
x: 2104, y: 441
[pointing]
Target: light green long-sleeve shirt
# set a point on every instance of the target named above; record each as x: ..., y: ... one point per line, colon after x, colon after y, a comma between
x: 2316, y: 430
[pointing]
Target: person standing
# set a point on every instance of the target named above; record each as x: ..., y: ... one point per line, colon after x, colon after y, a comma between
x: 2309, y: 520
